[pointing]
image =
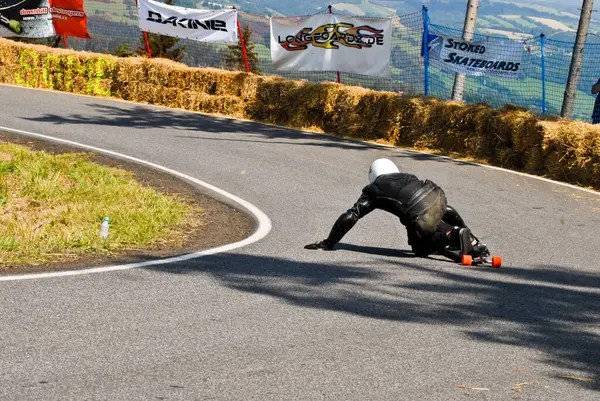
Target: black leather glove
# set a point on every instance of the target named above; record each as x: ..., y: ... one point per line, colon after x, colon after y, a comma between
x: 321, y: 246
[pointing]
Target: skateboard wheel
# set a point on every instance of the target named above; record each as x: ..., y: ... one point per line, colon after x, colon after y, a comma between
x: 467, y: 260
x: 496, y: 261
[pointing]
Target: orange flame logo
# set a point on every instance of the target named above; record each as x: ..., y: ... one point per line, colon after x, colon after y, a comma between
x: 330, y: 36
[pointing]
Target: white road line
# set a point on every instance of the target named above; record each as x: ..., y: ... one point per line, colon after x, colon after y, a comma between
x: 263, y: 221
x: 536, y: 177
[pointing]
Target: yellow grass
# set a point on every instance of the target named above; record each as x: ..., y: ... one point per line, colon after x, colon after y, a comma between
x: 552, y: 23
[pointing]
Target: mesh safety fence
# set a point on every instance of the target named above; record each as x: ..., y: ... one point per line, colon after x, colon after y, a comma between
x: 114, y: 28
x: 557, y: 61
x: 540, y: 86
x: 524, y: 89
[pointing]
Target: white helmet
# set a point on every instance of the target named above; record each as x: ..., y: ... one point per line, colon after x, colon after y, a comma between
x: 382, y: 166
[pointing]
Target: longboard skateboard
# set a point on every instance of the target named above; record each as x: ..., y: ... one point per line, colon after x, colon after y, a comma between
x: 473, y: 260
x: 494, y: 261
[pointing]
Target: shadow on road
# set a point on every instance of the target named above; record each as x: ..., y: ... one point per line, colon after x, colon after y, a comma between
x: 140, y: 117
x: 547, y: 309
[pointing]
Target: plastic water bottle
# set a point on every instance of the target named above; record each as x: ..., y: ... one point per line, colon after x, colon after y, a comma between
x: 104, y: 229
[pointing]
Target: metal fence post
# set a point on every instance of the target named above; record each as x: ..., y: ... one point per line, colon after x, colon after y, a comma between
x: 542, y: 44
x: 426, y: 50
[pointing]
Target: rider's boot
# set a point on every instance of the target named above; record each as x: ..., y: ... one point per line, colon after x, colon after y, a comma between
x: 464, y: 243
x: 468, y: 242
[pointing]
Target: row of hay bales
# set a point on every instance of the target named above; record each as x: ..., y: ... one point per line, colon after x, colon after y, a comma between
x: 509, y: 137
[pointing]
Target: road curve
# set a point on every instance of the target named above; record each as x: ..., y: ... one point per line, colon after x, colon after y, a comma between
x: 262, y: 221
x: 273, y: 321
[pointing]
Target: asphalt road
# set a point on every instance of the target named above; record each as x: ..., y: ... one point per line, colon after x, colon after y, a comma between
x: 272, y: 321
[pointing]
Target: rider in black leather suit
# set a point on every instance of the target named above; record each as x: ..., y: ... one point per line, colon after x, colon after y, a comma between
x: 431, y: 224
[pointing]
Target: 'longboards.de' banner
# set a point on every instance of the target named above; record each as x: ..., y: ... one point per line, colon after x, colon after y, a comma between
x: 188, y: 23
x: 330, y: 42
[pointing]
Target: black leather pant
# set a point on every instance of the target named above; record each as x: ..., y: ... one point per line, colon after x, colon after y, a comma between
x: 424, y: 246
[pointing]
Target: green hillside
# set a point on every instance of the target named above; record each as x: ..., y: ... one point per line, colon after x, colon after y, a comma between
x: 511, y: 16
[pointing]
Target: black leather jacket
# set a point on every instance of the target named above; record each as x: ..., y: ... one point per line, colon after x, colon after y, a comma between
x: 389, y: 192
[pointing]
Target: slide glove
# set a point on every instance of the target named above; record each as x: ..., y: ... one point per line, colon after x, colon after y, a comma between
x: 321, y: 246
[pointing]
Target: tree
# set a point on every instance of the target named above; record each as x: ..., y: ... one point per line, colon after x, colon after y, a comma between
x: 234, y: 59
x: 161, y: 45
x: 124, y: 50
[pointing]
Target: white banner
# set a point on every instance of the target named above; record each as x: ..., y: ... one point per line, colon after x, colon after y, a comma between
x: 188, y: 23
x: 329, y: 42
x: 492, y: 58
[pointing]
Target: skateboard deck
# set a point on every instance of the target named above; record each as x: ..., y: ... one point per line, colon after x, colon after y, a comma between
x: 474, y: 260
x: 494, y: 261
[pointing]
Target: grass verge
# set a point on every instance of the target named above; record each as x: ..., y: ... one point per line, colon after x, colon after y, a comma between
x: 51, y: 208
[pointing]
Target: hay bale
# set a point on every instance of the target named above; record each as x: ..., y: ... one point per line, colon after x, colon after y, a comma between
x: 272, y: 102
x: 43, y: 67
x: 406, y: 123
x: 519, y: 137
x: 571, y: 152
x: 510, y: 137
x: 340, y: 107
x: 368, y: 114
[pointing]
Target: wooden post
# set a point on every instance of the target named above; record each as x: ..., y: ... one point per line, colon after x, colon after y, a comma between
x: 458, y: 91
x: 577, y: 59
x: 339, y: 80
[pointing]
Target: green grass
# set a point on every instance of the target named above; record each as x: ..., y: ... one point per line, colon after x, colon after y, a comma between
x: 51, y: 208
x: 525, y: 23
x: 498, y: 23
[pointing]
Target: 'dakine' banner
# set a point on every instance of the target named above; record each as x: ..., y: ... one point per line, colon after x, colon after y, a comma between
x: 494, y: 58
x: 330, y: 42
x: 188, y: 23
x: 25, y: 19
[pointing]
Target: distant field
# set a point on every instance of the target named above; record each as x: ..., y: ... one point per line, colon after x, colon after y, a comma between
x: 538, y: 7
x: 569, y: 15
x: 508, y: 34
x: 364, y: 9
x: 520, y: 21
x: 498, y: 22
x: 554, y: 24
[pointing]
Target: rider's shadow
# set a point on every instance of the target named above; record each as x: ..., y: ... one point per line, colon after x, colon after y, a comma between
x: 399, y: 253
x: 372, y: 250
